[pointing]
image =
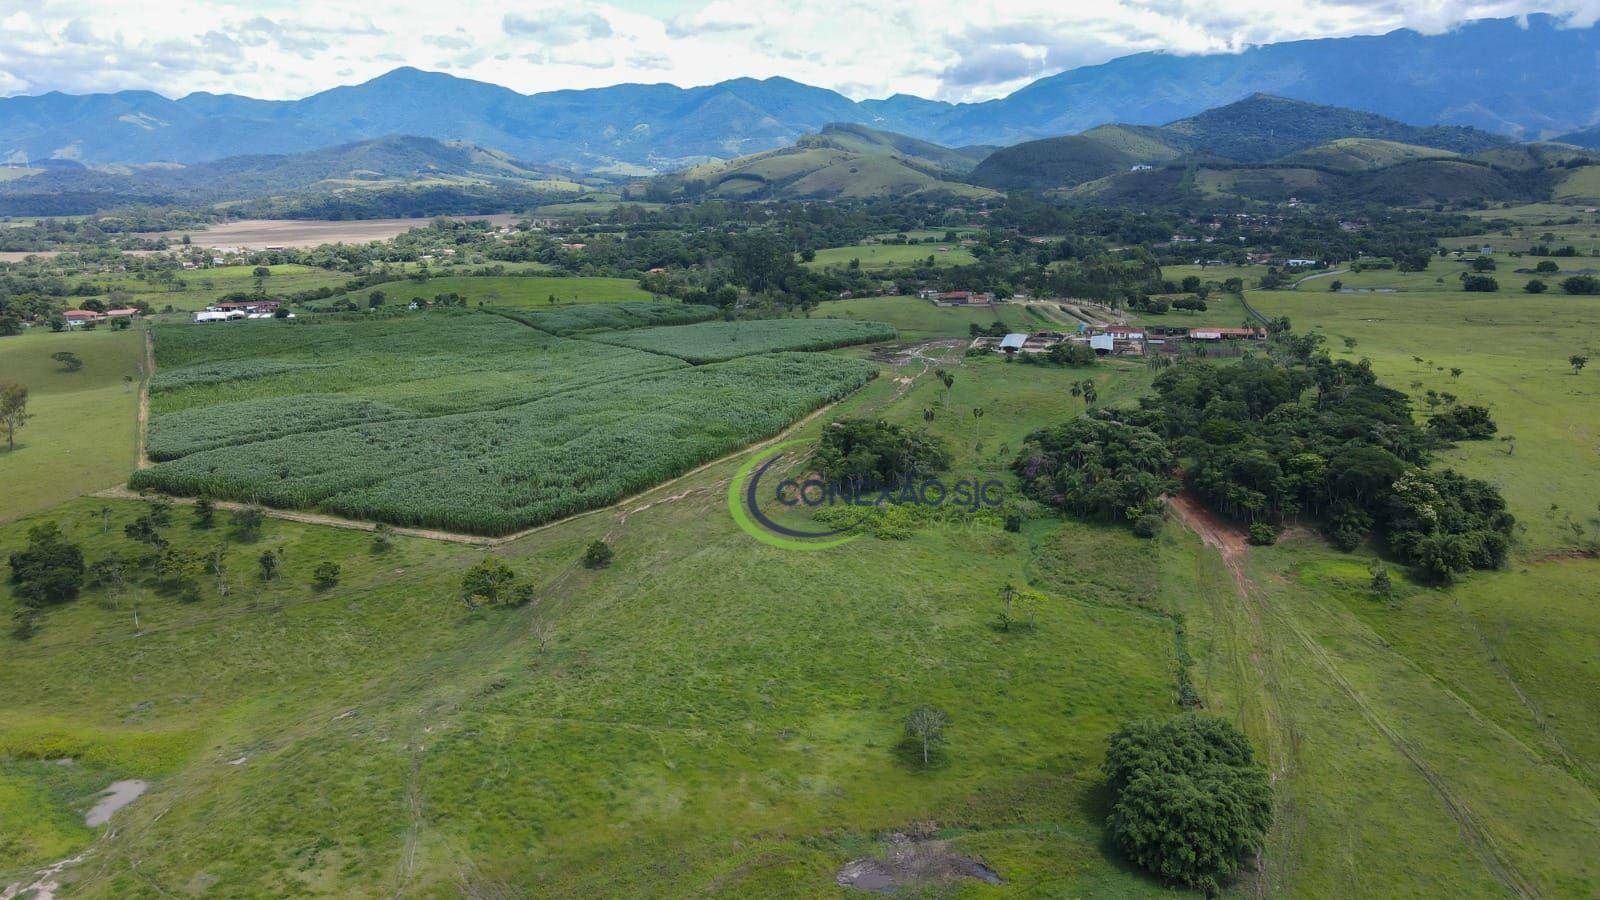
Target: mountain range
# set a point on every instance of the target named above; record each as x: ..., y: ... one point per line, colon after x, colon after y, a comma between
x: 1528, y: 78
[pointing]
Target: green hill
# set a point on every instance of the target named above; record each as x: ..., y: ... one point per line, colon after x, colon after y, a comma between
x: 1361, y: 154
x: 838, y: 162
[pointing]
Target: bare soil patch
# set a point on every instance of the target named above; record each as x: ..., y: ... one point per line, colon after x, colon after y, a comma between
x: 259, y: 234
x: 909, y: 862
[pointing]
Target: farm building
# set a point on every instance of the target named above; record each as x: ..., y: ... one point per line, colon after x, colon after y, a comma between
x: 1013, y: 343
x: 244, y: 306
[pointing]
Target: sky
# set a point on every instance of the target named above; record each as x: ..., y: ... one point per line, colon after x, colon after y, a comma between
x: 957, y: 50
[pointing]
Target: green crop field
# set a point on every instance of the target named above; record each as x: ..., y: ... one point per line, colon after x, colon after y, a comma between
x: 464, y: 421
x: 917, y: 319
x: 84, y: 428
x: 568, y: 320
x: 883, y: 256
x: 715, y: 341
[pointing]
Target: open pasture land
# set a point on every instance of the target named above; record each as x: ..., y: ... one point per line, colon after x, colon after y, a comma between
x: 197, y: 288
x: 1583, y: 237
x: 470, y: 422
x: 1512, y: 349
x: 590, y: 317
x: 516, y: 291
x: 1251, y: 275
x: 716, y: 341
x: 260, y: 234
x: 84, y: 428
x: 884, y: 256
x: 917, y: 319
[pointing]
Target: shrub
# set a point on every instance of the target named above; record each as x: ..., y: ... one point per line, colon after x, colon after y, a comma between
x: 1480, y: 284
x: 1463, y: 423
x: 325, y: 575
x: 49, y: 570
x: 382, y: 538
x: 597, y: 555
x: 1263, y: 534
x: 246, y: 522
x: 924, y: 733
x: 493, y: 583
x: 1534, y: 286
x: 1147, y: 525
x: 1190, y: 803
x: 1581, y: 284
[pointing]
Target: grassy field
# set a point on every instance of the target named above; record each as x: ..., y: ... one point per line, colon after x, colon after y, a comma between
x: 713, y: 716
x: 1250, y: 274
x: 195, y: 289
x: 918, y: 319
x: 883, y: 256
x: 1512, y: 350
x: 84, y: 427
x: 517, y: 292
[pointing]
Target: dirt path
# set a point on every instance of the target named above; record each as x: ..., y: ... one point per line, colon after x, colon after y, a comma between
x: 1234, y: 549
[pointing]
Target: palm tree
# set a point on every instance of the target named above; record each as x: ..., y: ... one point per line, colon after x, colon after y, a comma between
x: 977, y: 420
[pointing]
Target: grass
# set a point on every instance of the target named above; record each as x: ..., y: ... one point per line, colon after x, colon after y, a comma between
x: 517, y: 292
x: 1513, y: 351
x: 589, y: 317
x: 713, y: 716
x: 195, y: 289
x: 84, y: 427
x: 918, y: 319
x: 885, y: 256
x: 706, y: 342
x: 380, y: 716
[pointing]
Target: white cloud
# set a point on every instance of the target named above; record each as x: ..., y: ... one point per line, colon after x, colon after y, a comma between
x: 948, y: 49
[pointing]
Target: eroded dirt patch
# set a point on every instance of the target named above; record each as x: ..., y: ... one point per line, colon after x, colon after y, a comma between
x: 909, y: 862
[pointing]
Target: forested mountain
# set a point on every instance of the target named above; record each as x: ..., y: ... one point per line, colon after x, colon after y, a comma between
x: 1529, y: 79
x: 1257, y: 129
x: 842, y: 160
x: 395, y: 162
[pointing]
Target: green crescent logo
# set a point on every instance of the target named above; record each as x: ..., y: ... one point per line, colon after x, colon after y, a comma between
x: 744, y: 505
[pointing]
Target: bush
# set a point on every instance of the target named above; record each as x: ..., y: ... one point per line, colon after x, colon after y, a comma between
x: 1190, y: 803
x: 1534, y: 286
x: 246, y: 522
x: 493, y: 583
x: 1463, y: 423
x: 1263, y: 534
x: 325, y: 575
x: 1480, y: 284
x: 597, y: 555
x: 1581, y: 284
x: 49, y: 570
x: 1147, y: 525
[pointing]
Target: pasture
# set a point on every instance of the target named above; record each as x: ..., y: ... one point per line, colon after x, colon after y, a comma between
x: 84, y: 428
x: 515, y: 291
x: 884, y: 256
x: 260, y: 234
x: 917, y: 319
x: 195, y: 289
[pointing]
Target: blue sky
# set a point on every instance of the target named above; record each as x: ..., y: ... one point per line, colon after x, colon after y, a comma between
x: 946, y: 49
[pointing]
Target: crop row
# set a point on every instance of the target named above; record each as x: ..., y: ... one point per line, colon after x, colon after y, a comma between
x: 717, y: 341
x: 610, y: 316
x: 497, y: 471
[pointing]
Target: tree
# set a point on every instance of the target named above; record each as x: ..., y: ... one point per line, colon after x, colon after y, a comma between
x: 597, y: 555
x: 49, y: 570
x: 1534, y: 286
x: 178, y: 571
x: 1190, y: 803
x: 382, y: 538
x: 69, y: 361
x: 1578, y: 361
x: 1581, y: 284
x: 246, y: 522
x: 1455, y: 373
x: 1336, y: 286
x: 111, y: 573
x: 1382, y: 585
x: 268, y: 565
x: 1479, y: 283
x: 325, y: 576
x: 924, y: 728
x: 1547, y: 267
x: 13, y: 410
x: 205, y: 512
x: 492, y: 583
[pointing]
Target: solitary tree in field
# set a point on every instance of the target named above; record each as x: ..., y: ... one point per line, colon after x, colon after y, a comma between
x: 1090, y: 393
x: 69, y: 360
x: 927, y: 415
x: 1510, y: 441
x: 269, y: 565
x: 205, y: 512
x: 1578, y: 361
x: 13, y: 411
x: 1455, y: 373
x: 925, y: 729
x: 977, y: 420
